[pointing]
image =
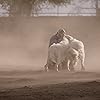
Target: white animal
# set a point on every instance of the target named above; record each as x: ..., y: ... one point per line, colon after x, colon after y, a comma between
x: 71, y: 59
x: 57, y: 53
x: 78, y: 46
x: 69, y: 50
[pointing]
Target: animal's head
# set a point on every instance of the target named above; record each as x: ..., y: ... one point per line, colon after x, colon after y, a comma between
x: 60, y: 34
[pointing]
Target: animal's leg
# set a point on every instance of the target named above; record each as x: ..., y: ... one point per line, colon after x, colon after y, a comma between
x: 60, y: 66
x: 49, y: 66
x: 68, y: 64
x: 82, y: 65
x: 71, y: 66
x: 65, y: 65
x: 82, y: 57
x: 46, y: 68
x: 57, y: 68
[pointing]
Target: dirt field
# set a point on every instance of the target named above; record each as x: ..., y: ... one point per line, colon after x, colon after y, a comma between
x: 24, y: 46
x: 39, y: 85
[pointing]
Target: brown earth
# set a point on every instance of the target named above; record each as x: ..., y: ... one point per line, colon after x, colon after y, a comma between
x: 40, y: 85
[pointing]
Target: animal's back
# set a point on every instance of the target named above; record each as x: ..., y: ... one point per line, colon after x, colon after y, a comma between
x: 76, y: 44
x: 57, y: 51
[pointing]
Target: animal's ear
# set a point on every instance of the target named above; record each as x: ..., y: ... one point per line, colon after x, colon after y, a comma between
x: 57, y: 34
x: 61, y: 30
x: 69, y: 37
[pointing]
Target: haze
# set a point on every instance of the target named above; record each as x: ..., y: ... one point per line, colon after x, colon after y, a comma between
x: 24, y: 41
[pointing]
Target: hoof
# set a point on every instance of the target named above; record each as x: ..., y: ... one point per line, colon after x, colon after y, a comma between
x: 71, y: 69
x: 46, y: 70
x: 57, y: 71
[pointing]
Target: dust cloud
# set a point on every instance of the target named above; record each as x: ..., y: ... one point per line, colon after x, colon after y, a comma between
x: 24, y: 41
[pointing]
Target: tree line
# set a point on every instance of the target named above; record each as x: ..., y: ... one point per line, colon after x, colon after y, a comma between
x: 25, y: 7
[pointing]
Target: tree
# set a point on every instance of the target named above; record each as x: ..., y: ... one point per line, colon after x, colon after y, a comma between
x: 25, y: 7
x: 97, y: 8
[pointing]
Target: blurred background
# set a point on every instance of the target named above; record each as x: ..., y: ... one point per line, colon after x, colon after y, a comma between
x: 24, y: 35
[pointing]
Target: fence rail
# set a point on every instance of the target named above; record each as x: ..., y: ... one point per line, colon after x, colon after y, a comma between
x: 63, y: 14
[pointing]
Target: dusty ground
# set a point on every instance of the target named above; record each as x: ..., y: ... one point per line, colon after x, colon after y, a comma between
x: 40, y: 85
